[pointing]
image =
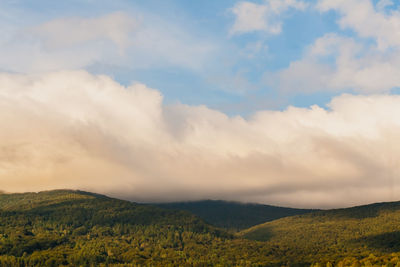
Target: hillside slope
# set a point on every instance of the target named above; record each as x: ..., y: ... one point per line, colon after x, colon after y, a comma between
x: 333, y: 234
x: 65, y: 227
x: 74, y: 228
x: 233, y: 215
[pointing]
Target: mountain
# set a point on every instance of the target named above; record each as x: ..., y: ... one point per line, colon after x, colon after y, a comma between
x: 75, y: 228
x: 65, y: 227
x: 355, y: 233
x: 233, y: 215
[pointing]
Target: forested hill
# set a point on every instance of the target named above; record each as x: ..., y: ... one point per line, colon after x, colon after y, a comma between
x: 78, y: 208
x: 74, y: 228
x: 356, y: 233
x: 65, y: 227
x: 233, y: 215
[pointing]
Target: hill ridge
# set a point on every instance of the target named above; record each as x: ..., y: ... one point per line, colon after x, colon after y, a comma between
x: 231, y: 214
x: 51, y: 229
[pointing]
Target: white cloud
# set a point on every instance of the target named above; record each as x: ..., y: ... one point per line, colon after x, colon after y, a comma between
x: 362, y: 17
x: 335, y: 63
x: 119, y: 39
x: 62, y: 33
x: 383, y: 4
x: 338, y: 63
x: 252, y: 17
x: 76, y: 130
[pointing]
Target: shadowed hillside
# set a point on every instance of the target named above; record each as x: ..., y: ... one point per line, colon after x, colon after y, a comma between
x: 233, y: 215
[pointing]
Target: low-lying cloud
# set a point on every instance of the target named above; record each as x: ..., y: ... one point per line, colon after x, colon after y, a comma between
x: 76, y: 130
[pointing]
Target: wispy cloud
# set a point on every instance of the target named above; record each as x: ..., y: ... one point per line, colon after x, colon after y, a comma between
x: 63, y: 33
x: 118, y: 38
x: 266, y: 17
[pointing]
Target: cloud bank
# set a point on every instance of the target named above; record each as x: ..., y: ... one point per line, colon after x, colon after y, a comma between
x: 77, y: 130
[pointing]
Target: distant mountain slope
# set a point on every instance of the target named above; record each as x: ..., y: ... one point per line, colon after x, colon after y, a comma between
x: 233, y: 215
x: 74, y: 228
x: 332, y: 234
x: 65, y: 227
x: 89, y: 208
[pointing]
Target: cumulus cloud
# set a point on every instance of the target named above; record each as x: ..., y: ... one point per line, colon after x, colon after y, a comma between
x: 129, y: 40
x: 368, y: 62
x: 266, y: 17
x: 368, y: 21
x: 336, y: 63
x: 77, y: 130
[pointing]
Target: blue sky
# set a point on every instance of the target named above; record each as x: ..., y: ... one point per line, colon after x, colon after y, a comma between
x: 227, y: 70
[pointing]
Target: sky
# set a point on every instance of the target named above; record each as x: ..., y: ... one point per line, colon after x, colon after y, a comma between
x: 284, y: 102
